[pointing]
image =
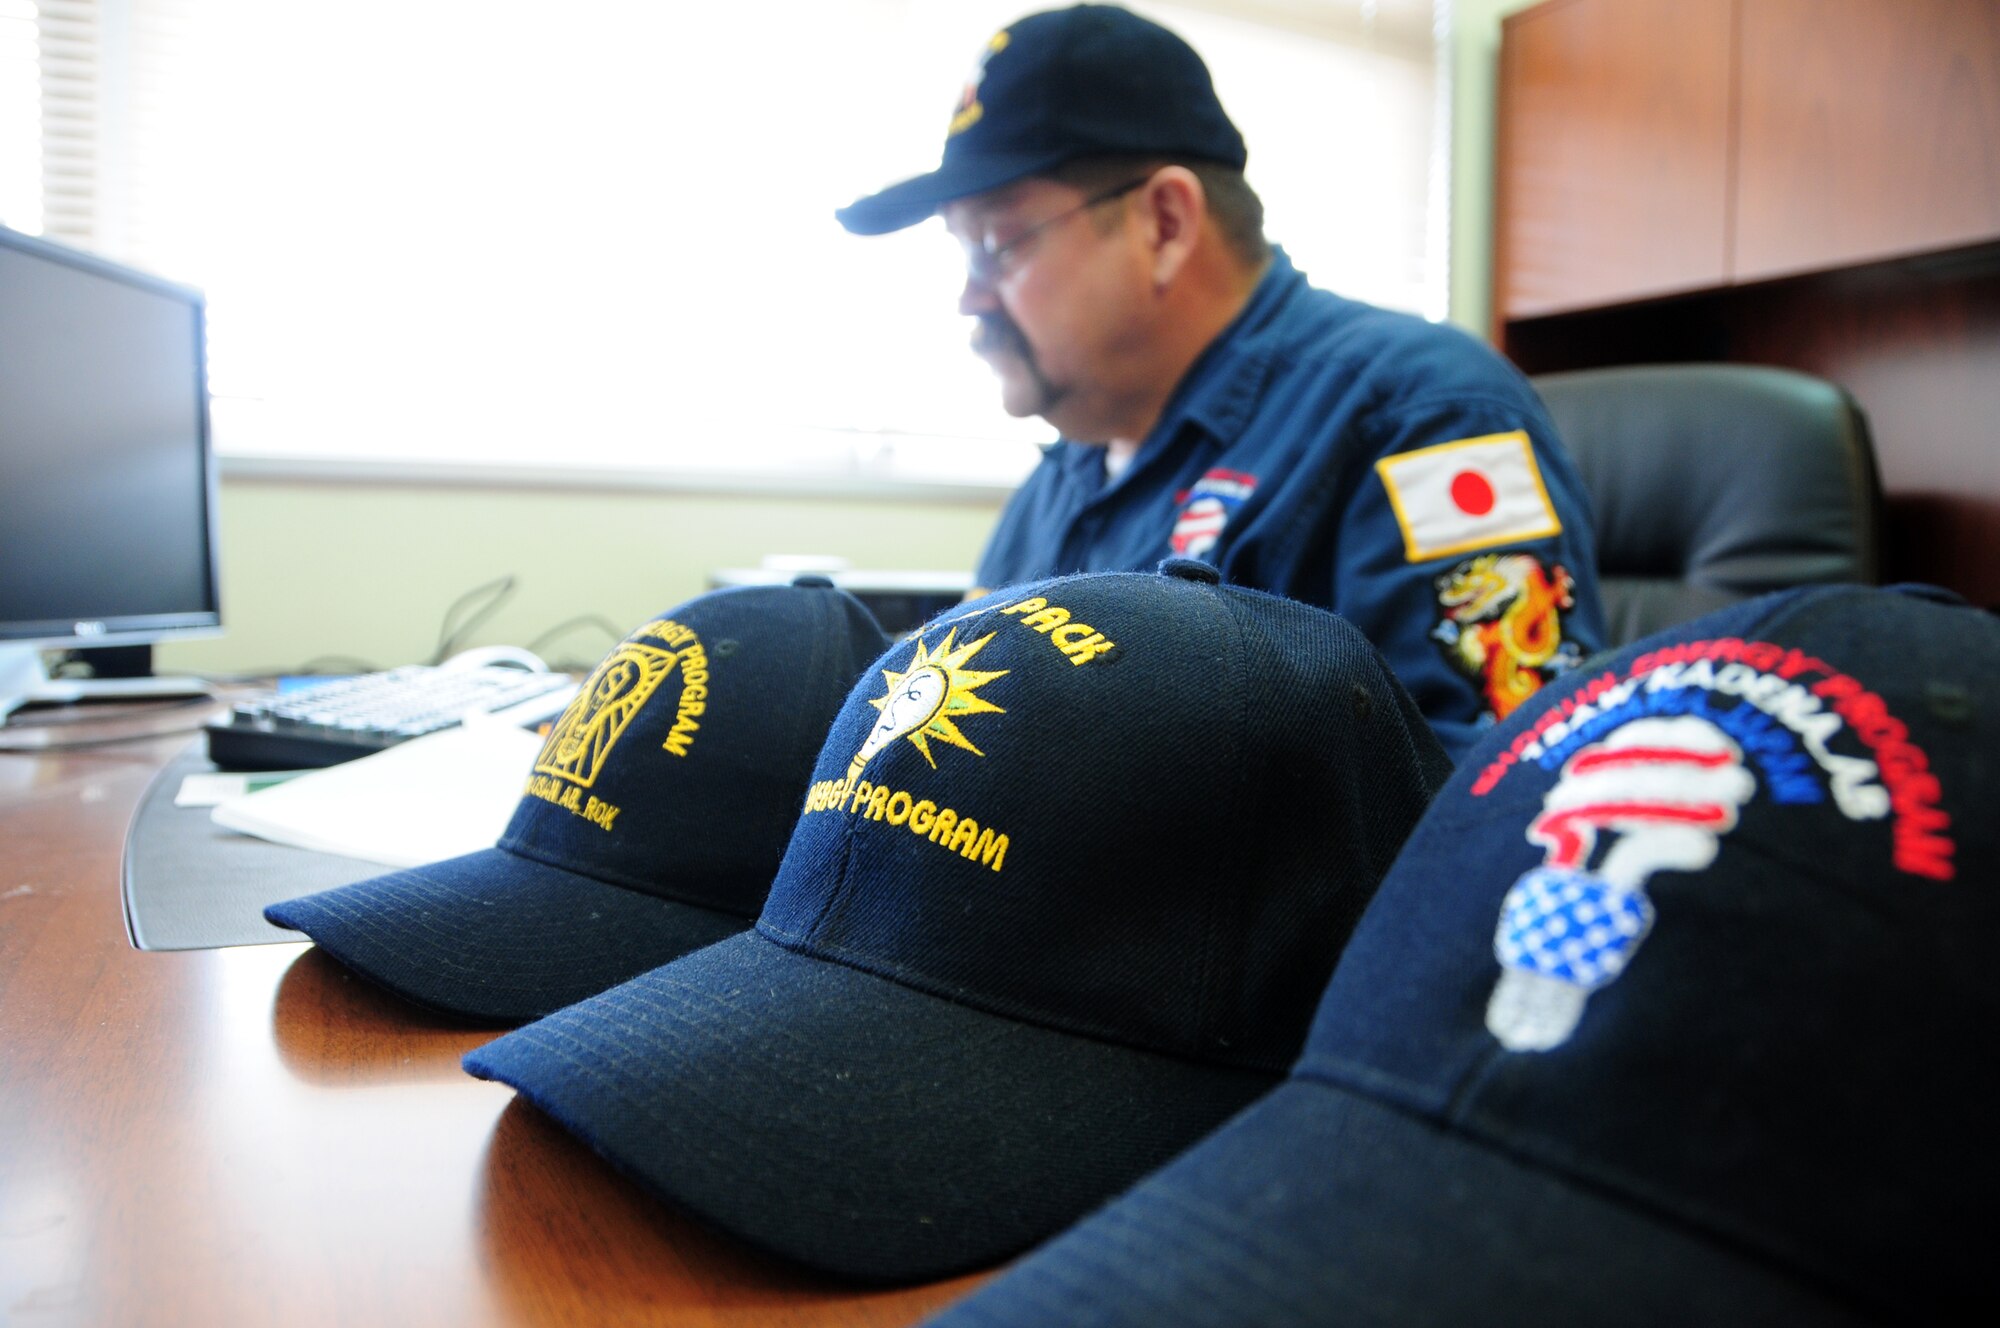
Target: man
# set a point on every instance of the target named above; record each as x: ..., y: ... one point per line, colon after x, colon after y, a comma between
x: 1214, y: 405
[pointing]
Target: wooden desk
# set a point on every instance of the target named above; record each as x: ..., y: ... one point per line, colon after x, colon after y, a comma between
x: 255, y: 1136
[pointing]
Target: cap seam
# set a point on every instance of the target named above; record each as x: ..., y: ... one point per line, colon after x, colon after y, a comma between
x: 1227, y: 611
x: 843, y: 871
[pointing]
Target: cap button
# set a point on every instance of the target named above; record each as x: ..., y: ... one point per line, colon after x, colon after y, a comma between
x: 1190, y: 569
x: 813, y: 580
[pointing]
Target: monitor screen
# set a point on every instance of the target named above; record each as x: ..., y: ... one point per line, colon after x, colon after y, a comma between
x: 107, y: 487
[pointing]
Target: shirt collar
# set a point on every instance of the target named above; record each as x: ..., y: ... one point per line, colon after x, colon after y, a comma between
x: 1221, y: 389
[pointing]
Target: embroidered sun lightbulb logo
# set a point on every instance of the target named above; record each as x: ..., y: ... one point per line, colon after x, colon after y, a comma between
x: 925, y: 701
x: 1669, y: 789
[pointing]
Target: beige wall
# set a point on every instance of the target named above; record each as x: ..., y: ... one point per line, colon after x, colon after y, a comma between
x: 369, y: 570
x: 311, y: 569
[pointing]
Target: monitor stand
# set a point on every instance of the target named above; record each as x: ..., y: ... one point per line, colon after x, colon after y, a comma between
x: 24, y: 681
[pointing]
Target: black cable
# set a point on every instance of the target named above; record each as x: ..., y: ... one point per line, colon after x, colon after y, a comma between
x: 500, y: 588
x: 342, y: 665
x: 331, y: 664
x: 451, y: 635
x: 596, y: 620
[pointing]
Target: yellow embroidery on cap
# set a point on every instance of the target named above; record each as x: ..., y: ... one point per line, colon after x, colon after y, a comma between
x: 924, y: 704
x: 1079, y: 641
x: 942, y: 826
x: 582, y: 739
x: 969, y: 110
x: 926, y: 700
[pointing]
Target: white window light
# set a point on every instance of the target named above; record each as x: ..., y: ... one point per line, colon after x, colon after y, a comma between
x: 486, y: 235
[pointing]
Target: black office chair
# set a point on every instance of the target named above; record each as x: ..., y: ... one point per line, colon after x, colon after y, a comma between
x: 1711, y: 483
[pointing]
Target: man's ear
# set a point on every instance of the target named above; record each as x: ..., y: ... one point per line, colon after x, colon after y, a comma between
x: 1177, y: 209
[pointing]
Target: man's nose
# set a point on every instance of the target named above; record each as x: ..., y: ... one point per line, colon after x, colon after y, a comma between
x: 977, y: 297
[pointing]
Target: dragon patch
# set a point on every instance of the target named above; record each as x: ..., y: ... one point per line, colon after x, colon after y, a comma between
x: 1500, y: 624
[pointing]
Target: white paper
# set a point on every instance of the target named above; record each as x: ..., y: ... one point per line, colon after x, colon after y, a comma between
x: 208, y: 788
x: 435, y: 797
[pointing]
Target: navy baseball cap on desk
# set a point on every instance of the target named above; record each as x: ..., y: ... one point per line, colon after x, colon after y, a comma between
x: 1678, y: 1007
x: 1074, y: 867
x: 654, y: 816
x: 1090, y: 80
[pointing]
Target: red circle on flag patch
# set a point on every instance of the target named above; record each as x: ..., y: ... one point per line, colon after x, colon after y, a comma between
x: 1473, y: 493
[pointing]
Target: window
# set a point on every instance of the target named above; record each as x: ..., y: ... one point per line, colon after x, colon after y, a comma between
x: 495, y: 233
x: 20, y: 116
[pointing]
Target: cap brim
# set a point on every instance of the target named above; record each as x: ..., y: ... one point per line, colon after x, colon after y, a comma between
x: 851, y: 1123
x: 1318, y: 1206
x: 907, y: 203
x: 496, y: 936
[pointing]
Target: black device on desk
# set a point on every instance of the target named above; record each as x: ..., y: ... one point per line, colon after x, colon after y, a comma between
x: 338, y: 719
x: 107, y: 528
x: 901, y: 601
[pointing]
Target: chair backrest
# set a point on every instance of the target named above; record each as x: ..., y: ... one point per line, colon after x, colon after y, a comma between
x: 1710, y: 483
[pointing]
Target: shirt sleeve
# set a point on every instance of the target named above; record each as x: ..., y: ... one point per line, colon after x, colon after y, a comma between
x: 1465, y: 553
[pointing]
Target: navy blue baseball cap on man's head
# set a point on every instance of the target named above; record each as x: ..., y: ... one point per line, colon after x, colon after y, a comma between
x: 1677, y: 1008
x: 1091, y: 80
x: 1074, y: 867
x: 653, y: 820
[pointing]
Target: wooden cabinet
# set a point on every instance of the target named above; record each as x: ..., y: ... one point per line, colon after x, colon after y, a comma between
x: 1613, y: 142
x: 1652, y: 147
x: 1807, y: 183
x: 1867, y: 129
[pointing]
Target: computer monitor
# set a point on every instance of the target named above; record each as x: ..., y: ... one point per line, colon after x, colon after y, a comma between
x: 107, y: 474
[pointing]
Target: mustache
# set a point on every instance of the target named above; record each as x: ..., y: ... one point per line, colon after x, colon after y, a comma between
x: 997, y: 332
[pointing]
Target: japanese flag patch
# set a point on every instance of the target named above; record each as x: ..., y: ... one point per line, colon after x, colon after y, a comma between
x: 1469, y: 494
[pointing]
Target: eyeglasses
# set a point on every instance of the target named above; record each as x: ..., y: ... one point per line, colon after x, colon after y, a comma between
x: 988, y: 263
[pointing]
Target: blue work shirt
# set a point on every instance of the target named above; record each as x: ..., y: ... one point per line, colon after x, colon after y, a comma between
x: 1396, y: 471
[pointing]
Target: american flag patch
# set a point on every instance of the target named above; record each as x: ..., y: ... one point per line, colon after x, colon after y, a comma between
x: 1206, y: 508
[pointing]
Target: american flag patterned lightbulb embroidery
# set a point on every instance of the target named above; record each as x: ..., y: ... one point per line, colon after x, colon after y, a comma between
x: 1669, y: 789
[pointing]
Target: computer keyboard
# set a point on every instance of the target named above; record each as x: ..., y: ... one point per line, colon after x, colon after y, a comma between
x: 329, y: 722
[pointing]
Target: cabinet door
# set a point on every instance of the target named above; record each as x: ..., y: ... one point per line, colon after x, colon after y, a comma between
x: 1870, y: 128
x: 1612, y: 167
